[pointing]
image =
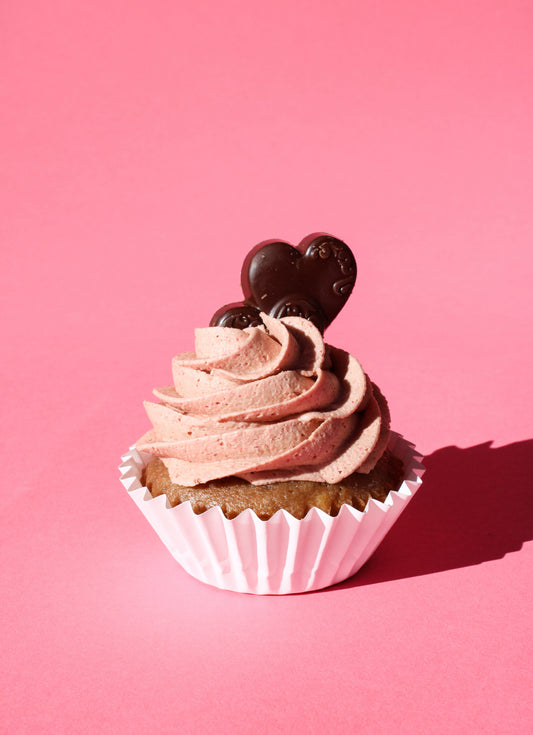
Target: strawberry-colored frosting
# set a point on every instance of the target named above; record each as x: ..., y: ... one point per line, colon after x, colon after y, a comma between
x: 266, y: 404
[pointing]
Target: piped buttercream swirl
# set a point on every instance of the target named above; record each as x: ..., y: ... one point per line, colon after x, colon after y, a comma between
x: 266, y: 404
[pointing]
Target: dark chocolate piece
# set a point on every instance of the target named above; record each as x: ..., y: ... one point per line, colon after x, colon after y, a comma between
x: 238, y: 316
x: 312, y: 280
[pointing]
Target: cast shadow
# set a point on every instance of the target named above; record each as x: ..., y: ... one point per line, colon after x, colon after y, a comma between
x: 474, y: 505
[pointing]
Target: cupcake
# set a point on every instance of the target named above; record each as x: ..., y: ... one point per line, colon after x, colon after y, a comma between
x: 270, y: 466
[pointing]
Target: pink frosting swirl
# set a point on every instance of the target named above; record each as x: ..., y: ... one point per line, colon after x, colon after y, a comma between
x: 266, y: 404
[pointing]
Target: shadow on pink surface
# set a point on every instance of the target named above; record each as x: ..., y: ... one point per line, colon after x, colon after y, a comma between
x: 475, y: 505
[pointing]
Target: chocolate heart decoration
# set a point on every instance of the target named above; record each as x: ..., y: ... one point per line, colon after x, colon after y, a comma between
x: 312, y: 280
x: 238, y: 316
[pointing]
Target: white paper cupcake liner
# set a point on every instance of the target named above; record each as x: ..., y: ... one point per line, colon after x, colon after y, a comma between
x: 283, y: 555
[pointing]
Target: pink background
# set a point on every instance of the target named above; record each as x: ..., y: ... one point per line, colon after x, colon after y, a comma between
x: 145, y: 147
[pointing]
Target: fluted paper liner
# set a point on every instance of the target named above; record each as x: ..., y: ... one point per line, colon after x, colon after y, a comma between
x: 282, y: 555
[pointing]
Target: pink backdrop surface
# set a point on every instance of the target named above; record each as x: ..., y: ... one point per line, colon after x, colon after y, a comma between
x: 145, y: 147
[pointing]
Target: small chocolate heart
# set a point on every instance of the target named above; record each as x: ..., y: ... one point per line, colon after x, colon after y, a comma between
x: 312, y: 280
x: 238, y: 316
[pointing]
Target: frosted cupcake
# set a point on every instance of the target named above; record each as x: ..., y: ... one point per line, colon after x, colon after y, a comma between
x: 270, y: 466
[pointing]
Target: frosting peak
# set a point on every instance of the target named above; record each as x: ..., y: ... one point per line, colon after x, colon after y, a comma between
x: 267, y: 404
